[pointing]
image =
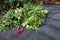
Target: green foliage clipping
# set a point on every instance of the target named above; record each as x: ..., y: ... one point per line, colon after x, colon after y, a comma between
x: 30, y: 16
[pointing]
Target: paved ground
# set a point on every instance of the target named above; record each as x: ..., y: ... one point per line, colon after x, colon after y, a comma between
x: 50, y: 31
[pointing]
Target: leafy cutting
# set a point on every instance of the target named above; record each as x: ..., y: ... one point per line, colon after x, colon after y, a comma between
x: 31, y: 17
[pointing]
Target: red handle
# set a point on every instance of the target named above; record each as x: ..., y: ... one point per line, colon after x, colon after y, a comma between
x: 19, y: 31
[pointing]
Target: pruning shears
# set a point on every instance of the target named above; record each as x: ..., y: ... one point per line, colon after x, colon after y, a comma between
x: 19, y: 32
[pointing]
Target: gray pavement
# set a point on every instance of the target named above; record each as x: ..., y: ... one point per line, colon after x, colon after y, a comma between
x: 49, y: 31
